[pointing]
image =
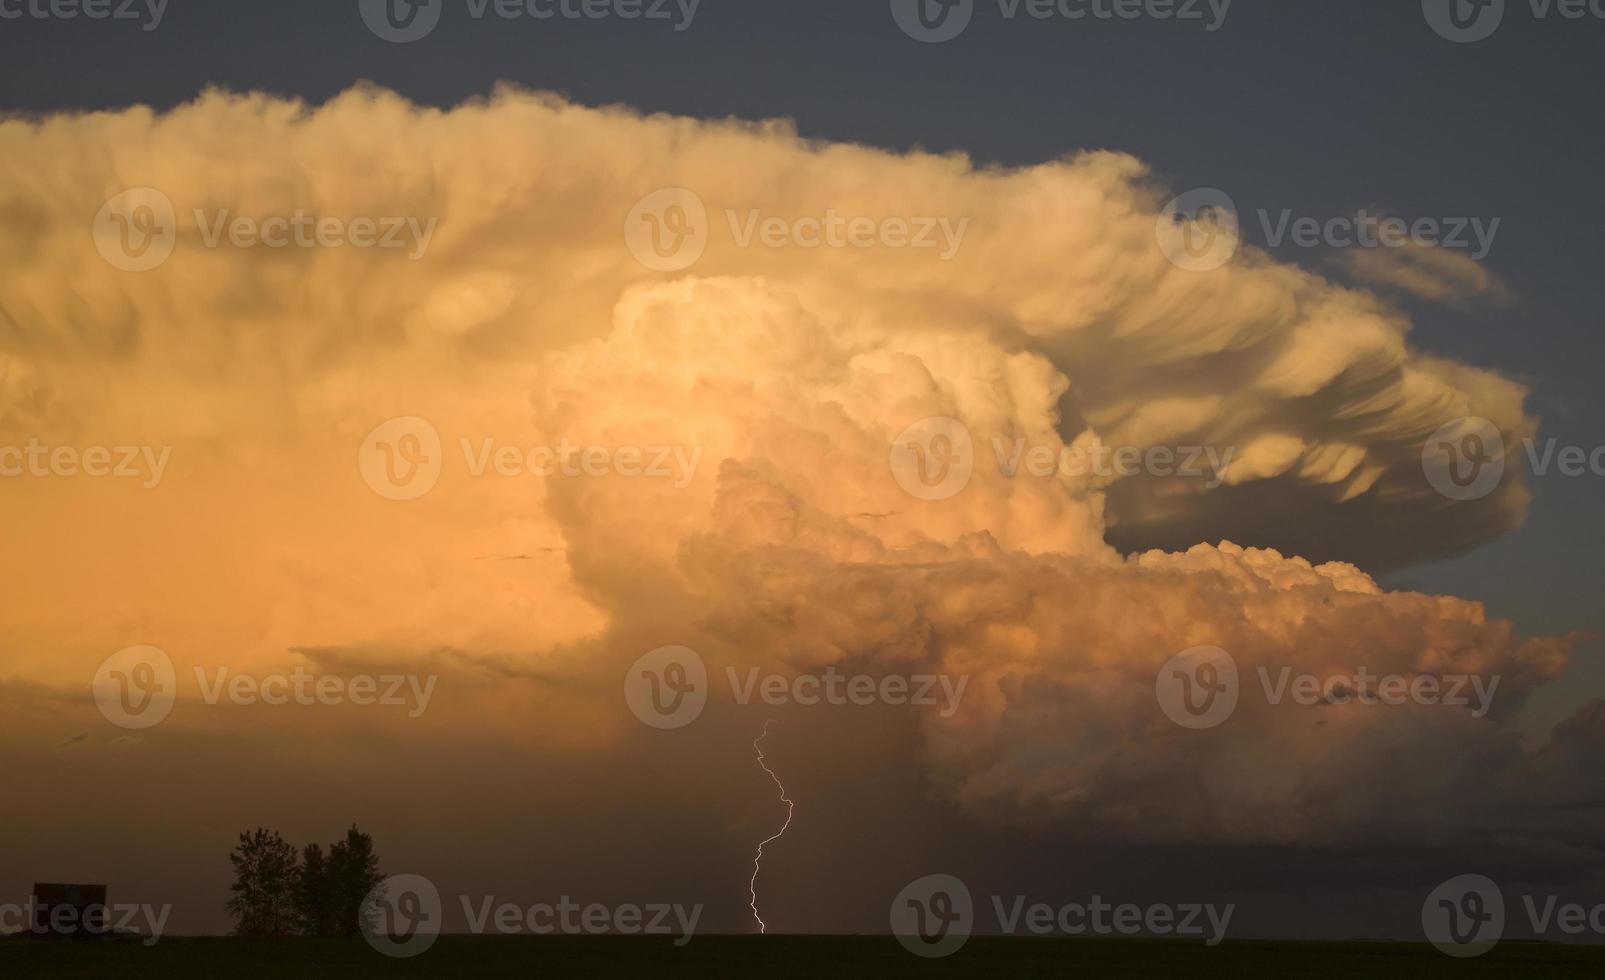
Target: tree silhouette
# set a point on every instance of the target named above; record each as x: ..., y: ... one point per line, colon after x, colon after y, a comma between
x: 353, y: 871
x: 277, y: 892
x: 314, y: 897
x: 263, y: 902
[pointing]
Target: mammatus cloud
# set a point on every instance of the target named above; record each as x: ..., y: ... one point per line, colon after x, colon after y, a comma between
x: 788, y: 371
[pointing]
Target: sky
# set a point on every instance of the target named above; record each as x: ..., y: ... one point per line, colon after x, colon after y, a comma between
x: 519, y: 148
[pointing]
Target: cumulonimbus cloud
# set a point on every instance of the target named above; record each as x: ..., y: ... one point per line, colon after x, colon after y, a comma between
x: 789, y: 369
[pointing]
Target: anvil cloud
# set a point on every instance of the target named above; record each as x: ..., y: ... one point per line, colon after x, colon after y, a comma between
x: 1058, y: 320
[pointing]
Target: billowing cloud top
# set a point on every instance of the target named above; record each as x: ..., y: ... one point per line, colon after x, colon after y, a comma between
x: 779, y: 372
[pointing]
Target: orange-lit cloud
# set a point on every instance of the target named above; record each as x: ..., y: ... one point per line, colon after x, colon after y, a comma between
x: 782, y: 376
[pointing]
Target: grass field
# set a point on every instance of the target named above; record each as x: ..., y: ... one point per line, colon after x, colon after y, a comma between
x: 783, y: 956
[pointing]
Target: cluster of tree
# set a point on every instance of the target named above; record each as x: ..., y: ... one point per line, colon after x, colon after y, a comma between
x: 277, y: 892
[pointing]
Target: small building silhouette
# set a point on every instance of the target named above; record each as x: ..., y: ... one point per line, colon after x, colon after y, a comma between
x: 69, y: 911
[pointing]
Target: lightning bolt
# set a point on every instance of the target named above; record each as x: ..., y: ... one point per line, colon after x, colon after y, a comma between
x: 757, y: 861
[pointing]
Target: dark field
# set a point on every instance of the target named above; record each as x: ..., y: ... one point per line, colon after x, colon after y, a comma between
x: 784, y: 956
